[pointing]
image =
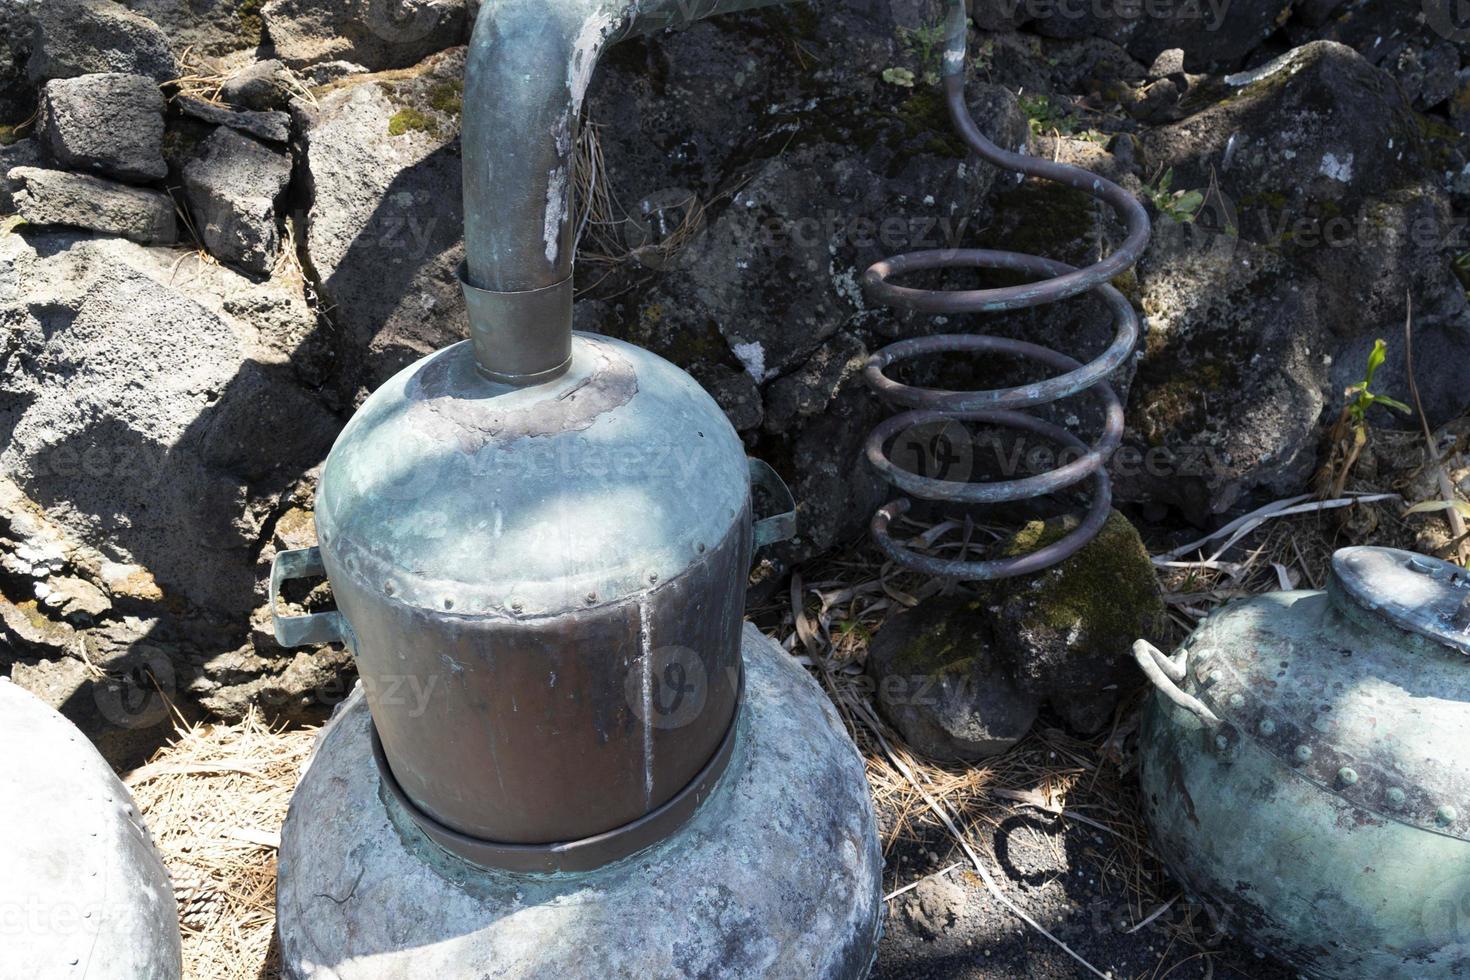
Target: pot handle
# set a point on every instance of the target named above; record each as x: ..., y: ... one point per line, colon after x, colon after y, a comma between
x: 297, y: 631
x: 1166, y: 675
x: 780, y: 526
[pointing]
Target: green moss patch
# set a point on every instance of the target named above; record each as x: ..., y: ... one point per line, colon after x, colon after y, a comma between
x: 924, y: 117
x: 1441, y: 139
x: 1102, y: 598
x: 448, y: 97
x: 950, y: 646
x: 252, y: 27
x: 1046, y: 218
x: 408, y: 120
x: 1168, y: 406
x: 423, y: 99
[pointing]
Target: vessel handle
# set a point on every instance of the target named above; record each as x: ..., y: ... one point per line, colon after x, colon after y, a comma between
x: 1166, y: 675
x: 780, y: 526
x: 297, y: 631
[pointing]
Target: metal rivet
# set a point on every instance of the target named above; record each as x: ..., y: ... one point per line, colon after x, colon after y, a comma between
x: 1461, y: 616
x: 389, y: 588
x: 448, y: 603
x: 699, y: 547
x: 1237, y: 700
x: 517, y: 605
x: 652, y: 577
x: 591, y: 597
x: 1267, y: 726
x: 1221, y: 742
x: 1395, y: 797
x: 1303, y: 753
x: 1446, y: 815
x: 1348, y: 775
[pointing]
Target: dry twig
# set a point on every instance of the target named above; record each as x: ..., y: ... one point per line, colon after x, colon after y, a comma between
x: 1459, y: 538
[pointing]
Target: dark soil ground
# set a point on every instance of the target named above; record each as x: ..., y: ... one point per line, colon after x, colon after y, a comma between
x: 1069, y: 878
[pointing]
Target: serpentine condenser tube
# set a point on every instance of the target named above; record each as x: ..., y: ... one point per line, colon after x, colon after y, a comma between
x: 527, y: 71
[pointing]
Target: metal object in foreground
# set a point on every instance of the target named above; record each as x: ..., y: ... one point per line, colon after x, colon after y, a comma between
x: 1304, y: 768
x: 778, y: 874
x: 1003, y: 407
x: 543, y: 588
x: 82, y: 890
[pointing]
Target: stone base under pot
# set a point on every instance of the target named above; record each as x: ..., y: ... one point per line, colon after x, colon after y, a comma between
x: 777, y: 875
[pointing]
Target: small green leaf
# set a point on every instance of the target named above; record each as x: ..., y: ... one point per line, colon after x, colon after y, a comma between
x: 1376, y: 357
x: 1363, y: 398
x: 1392, y: 403
x: 899, y: 76
x: 1188, y: 202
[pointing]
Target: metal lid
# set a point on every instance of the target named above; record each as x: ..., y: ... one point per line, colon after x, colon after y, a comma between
x: 451, y: 491
x: 1416, y: 593
x: 1338, y: 687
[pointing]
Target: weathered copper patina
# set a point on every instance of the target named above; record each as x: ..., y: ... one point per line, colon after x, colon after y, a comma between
x: 1304, y: 768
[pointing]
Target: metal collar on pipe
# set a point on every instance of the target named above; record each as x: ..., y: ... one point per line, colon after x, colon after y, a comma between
x: 520, y: 338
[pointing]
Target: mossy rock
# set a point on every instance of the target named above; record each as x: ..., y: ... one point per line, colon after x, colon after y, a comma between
x: 425, y: 100
x: 1051, y: 219
x: 939, y: 682
x: 955, y: 631
x: 1067, y: 632
x: 409, y: 119
x: 252, y: 25
x: 448, y: 97
x: 181, y: 141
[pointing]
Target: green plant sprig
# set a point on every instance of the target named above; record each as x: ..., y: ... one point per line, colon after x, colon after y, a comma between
x: 1181, y: 206
x: 1362, y: 394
